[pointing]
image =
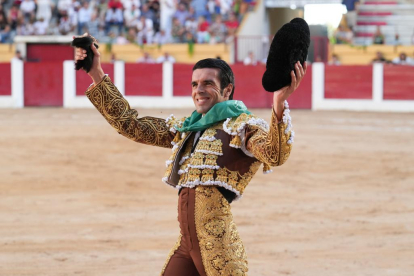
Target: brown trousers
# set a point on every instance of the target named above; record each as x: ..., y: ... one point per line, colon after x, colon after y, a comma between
x: 186, y: 261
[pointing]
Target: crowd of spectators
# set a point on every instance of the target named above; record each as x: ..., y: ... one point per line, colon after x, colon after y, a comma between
x: 402, y: 59
x: 124, y: 21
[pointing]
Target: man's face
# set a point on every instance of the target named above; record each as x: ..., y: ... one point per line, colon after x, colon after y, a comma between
x: 206, y: 90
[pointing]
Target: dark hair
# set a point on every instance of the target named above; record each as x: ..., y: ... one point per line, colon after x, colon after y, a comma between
x: 225, y: 74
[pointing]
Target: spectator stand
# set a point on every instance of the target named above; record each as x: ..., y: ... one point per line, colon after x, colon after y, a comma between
x: 395, y: 20
x: 363, y: 55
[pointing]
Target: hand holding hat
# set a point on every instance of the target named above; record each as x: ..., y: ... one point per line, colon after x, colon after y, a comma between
x: 85, y: 42
x: 289, y: 46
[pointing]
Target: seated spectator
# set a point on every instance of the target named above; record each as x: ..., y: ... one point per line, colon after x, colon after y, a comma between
x: 93, y: 25
x: 44, y: 9
x: 232, y: 24
x: 65, y: 25
x: 115, y: 4
x: 84, y: 17
x: 147, y: 12
x: 162, y: 38
x: 114, y: 17
x: 218, y: 31
x: 146, y: 58
x: 191, y: 25
x: 334, y: 60
x: 132, y: 35
x: 63, y: 7
x: 177, y: 32
x: 25, y: 29
x: 5, y: 30
x: 73, y: 13
x: 166, y: 14
x: 2, y: 10
x: 154, y: 6
x: 225, y: 7
x: 102, y: 7
x: 250, y: 59
x: 14, y: 16
x: 145, y: 30
x: 131, y: 16
x: 402, y: 59
x: 165, y: 58
x: 181, y: 14
x: 343, y: 35
x: 378, y: 37
x: 3, y: 22
x: 379, y: 58
x: 40, y: 27
x: 211, y: 7
x: 203, y: 36
x: 199, y: 7
x: 28, y: 9
x: 128, y: 4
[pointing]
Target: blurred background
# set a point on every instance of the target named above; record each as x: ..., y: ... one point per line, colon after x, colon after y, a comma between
x: 140, y: 35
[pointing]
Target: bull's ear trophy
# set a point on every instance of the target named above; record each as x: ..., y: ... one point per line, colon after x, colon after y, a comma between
x: 85, y: 43
x: 290, y: 45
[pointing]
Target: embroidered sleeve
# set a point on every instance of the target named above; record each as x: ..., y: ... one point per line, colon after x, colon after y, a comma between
x: 116, y: 110
x: 271, y: 147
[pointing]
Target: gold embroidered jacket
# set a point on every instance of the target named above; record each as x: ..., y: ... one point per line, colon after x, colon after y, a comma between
x: 228, y: 154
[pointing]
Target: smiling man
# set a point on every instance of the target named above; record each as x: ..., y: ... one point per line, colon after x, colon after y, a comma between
x: 215, y: 153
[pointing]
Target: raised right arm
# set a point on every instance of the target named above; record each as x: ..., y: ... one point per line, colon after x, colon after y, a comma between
x: 115, y: 109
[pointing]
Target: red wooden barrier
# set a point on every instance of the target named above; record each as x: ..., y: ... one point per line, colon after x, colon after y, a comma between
x: 249, y: 90
x: 43, y: 84
x: 83, y: 80
x: 398, y: 82
x: 182, y: 79
x: 248, y: 82
x: 348, y: 82
x: 49, y: 52
x: 5, y: 79
x: 143, y: 79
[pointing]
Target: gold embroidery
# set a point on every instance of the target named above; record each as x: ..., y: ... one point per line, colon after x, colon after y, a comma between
x: 216, y: 146
x: 222, y: 175
x: 236, y: 142
x: 116, y: 110
x: 209, y: 132
x: 270, y: 147
x: 207, y: 175
x: 211, y: 159
x: 221, y: 248
x: 173, y: 122
x: 176, y: 246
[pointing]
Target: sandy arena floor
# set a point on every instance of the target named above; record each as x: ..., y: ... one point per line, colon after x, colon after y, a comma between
x: 76, y: 198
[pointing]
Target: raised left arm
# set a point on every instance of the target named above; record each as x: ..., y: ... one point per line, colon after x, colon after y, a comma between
x: 273, y: 147
x: 280, y: 96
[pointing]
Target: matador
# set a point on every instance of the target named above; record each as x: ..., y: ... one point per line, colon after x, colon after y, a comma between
x: 215, y: 153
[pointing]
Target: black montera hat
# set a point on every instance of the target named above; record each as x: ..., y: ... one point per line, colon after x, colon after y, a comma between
x: 85, y: 43
x: 289, y: 46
